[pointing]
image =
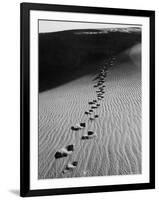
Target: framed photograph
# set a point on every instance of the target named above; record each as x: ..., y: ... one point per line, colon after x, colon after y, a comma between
x: 87, y: 99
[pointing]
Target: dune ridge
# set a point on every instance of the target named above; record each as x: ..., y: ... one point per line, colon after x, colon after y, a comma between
x: 63, y: 53
x: 117, y: 148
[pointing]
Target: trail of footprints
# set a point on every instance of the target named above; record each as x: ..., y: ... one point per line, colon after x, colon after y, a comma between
x: 94, y: 105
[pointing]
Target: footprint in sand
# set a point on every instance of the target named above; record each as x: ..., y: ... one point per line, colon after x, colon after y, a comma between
x: 70, y: 166
x: 93, y: 107
x: 90, y: 135
x: 83, y: 124
x: 78, y: 126
x: 87, y: 113
x: 64, y: 152
x: 90, y: 103
x: 91, y: 118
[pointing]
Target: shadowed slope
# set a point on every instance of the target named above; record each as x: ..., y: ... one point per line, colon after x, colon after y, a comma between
x: 63, y: 55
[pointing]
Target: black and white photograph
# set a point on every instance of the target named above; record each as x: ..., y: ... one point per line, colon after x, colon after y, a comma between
x: 89, y: 99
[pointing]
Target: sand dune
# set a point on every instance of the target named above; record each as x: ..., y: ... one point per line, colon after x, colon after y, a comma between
x: 117, y: 148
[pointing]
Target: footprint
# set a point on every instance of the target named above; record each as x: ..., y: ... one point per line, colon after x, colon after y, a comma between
x: 92, y: 118
x: 83, y: 124
x: 64, y: 152
x: 87, y: 113
x: 90, y: 103
x: 85, y: 137
x: 70, y: 147
x: 74, y: 128
x: 89, y: 135
x: 99, y: 96
x: 93, y: 107
x: 70, y: 166
x: 78, y: 127
x: 90, y: 132
x: 60, y: 155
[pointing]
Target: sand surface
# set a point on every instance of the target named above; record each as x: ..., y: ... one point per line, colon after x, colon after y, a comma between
x: 117, y: 148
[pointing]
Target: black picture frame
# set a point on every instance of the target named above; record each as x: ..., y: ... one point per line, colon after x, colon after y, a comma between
x: 25, y: 9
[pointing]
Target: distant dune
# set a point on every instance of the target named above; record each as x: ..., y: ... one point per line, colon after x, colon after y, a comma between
x: 63, y: 55
x: 117, y: 148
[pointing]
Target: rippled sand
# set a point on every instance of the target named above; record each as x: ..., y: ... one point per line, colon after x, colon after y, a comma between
x: 117, y: 148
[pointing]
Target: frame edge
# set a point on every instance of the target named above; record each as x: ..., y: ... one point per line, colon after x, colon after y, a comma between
x: 24, y: 99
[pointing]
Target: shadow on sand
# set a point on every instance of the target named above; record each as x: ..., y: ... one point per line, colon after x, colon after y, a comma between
x: 66, y: 55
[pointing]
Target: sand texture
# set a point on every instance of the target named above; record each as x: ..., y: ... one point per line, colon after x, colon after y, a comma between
x: 116, y: 149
